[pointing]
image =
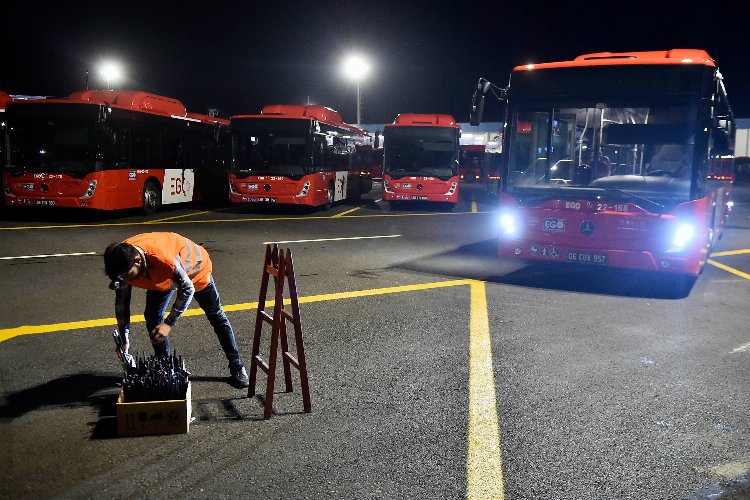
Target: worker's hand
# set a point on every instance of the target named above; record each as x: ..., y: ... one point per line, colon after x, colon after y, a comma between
x: 160, y: 333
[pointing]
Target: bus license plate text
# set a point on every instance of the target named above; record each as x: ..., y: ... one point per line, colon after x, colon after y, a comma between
x: 587, y: 258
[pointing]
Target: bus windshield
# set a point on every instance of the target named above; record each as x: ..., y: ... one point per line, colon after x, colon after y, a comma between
x: 643, y: 150
x: 426, y: 151
x: 270, y: 146
x: 53, y: 138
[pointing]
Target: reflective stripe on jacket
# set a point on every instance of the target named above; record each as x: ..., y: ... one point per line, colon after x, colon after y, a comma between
x: 162, y: 251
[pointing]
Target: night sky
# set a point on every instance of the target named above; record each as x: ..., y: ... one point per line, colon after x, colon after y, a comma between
x: 426, y: 56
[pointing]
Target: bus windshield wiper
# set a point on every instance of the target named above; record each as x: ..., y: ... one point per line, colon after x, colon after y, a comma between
x: 633, y: 196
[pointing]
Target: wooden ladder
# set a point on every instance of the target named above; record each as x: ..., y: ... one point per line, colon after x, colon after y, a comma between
x: 280, y: 265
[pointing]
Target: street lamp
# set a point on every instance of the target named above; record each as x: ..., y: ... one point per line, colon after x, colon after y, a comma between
x: 111, y: 72
x: 356, y: 68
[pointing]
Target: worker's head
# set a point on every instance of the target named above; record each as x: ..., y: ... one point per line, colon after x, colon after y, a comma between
x: 121, y: 263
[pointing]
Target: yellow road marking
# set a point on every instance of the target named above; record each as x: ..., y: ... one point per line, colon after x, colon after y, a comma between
x: 473, y: 206
x: 347, y: 212
x: 729, y: 269
x: 484, y: 471
x: 157, y: 221
x: 730, y: 252
x: 214, y: 221
x: 9, y: 333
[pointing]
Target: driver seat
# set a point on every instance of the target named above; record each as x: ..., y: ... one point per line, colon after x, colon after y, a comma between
x: 670, y: 158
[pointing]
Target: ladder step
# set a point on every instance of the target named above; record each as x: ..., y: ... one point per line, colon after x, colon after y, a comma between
x: 260, y: 362
x: 267, y: 317
x: 292, y: 359
x: 288, y: 315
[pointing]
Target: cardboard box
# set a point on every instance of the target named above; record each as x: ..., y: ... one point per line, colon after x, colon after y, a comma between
x: 153, y: 417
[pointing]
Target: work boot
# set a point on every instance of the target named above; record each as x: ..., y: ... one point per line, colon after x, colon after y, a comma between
x: 239, y: 376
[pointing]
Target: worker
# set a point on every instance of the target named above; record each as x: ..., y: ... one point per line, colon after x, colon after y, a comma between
x: 165, y: 263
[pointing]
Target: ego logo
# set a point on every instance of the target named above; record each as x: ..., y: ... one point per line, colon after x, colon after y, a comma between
x: 179, y: 186
x: 554, y: 225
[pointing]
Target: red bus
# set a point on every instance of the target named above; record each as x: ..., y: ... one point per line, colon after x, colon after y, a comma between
x: 371, y: 157
x: 297, y: 155
x: 471, y: 163
x: 420, y: 158
x: 616, y: 159
x: 4, y: 100
x: 110, y: 150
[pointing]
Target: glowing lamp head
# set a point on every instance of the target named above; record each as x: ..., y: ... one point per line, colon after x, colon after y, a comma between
x: 356, y: 67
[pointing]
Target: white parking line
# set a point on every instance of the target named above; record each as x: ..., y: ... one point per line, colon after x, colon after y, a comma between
x: 48, y: 255
x: 335, y: 239
x: 742, y: 348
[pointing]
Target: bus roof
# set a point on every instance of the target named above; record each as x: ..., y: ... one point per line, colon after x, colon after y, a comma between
x: 322, y: 114
x: 674, y: 56
x: 423, y: 120
x: 134, y: 100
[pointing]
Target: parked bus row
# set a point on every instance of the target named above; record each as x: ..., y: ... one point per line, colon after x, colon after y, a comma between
x: 111, y: 150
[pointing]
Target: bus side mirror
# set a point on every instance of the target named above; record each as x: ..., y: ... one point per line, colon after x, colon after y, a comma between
x: 477, y: 108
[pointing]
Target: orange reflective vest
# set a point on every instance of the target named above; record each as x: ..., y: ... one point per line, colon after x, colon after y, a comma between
x: 162, y: 251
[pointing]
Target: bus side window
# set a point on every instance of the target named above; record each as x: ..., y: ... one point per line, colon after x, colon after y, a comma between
x: 319, y: 150
x: 119, y: 139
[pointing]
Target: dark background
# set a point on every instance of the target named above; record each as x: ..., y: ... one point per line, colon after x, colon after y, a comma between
x: 426, y: 56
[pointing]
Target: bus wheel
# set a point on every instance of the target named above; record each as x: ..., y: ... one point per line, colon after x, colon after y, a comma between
x: 329, y: 198
x: 151, y: 198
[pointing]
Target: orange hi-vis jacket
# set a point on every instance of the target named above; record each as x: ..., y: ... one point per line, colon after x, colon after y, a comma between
x: 162, y: 251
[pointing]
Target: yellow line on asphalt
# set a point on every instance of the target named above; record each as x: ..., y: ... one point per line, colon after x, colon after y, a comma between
x: 215, y: 221
x: 157, y: 221
x: 730, y: 252
x: 347, y: 212
x: 9, y: 333
x: 729, y: 269
x: 473, y: 207
x: 484, y: 471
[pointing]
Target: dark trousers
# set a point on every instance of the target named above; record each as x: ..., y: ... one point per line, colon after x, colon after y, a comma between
x: 208, y: 299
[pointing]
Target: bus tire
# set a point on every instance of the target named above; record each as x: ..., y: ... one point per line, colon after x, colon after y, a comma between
x: 329, y: 196
x: 151, y: 198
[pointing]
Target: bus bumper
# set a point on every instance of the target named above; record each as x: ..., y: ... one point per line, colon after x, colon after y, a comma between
x: 627, y: 259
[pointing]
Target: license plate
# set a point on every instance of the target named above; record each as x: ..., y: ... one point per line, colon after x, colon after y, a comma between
x: 46, y: 203
x: 587, y: 258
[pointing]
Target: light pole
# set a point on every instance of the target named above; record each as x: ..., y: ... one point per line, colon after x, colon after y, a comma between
x: 111, y: 72
x: 356, y: 68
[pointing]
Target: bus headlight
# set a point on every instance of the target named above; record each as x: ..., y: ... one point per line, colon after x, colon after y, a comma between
x: 508, y: 224
x: 90, y: 190
x: 305, y: 189
x: 386, y: 186
x: 683, y: 234
x: 452, y: 189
